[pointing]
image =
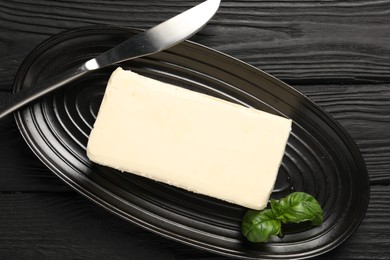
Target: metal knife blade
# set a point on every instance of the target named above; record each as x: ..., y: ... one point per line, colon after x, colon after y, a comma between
x: 158, y: 38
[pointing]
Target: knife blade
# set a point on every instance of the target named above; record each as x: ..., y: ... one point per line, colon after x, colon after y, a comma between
x: 156, y: 39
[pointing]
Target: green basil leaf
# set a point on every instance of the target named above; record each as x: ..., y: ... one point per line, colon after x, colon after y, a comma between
x: 259, y: 226
x: 297, y: 207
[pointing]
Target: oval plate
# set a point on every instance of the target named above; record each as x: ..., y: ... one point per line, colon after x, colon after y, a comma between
x: 320, y: 158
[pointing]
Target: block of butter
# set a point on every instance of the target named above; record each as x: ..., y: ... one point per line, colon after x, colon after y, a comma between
x: 187, y: 139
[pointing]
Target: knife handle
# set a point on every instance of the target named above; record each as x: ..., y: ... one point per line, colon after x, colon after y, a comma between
x: 27, y: 95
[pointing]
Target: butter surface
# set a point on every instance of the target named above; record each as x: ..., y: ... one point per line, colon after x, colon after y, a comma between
x: 187, y: 139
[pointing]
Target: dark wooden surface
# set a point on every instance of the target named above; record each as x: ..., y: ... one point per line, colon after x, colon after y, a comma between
x: 336, y: 52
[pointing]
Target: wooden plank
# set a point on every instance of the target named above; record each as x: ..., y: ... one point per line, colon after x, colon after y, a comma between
x: 334, y: 45
x: 52, y: 225
x: 297, y: 41
x: 363, y: 110
x: 20, y: 169
x: 372, y: 238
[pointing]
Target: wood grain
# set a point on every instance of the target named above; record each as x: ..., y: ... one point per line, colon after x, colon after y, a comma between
x: 20, y: 170
x: 363, y: 110
x: 51, y: 226
x: 335, y: 52
x: 372, y: 238
x: 297, y: 41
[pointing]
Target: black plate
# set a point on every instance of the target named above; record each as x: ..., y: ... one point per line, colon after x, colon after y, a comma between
x: 320, y: 158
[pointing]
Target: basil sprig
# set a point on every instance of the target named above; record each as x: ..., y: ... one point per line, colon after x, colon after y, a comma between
x: 259, y: 226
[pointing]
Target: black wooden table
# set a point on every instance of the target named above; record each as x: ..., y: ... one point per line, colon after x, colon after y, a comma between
x: 335, y: 52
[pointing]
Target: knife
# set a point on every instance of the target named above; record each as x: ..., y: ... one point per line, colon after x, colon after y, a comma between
x: 156, y: 39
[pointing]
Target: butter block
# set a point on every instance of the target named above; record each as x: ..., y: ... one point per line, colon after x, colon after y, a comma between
x: 187, y: 139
